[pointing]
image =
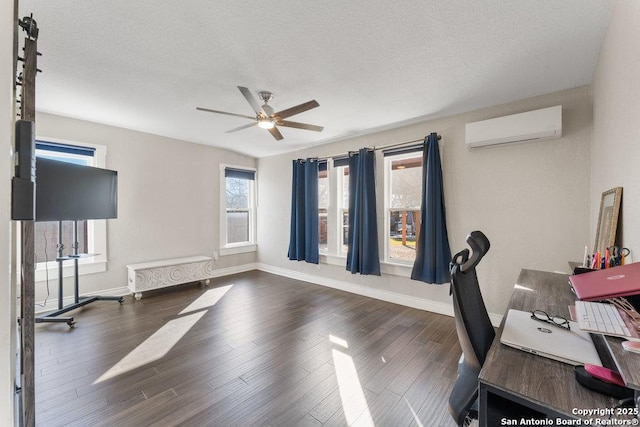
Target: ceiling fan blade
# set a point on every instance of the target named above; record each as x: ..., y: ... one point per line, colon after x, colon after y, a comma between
x: 297, y: 109
x: 300, y: 125
x: 276, y: 133
x: 251, y: 100
x: 242, y: 127
x: 224, y: 112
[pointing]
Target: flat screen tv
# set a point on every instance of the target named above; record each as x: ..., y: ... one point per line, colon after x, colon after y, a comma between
x: 71, y: 192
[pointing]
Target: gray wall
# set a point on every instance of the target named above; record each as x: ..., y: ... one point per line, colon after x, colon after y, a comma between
x: 168, y: 198
x: 531, y: 199
x: 615, y: 149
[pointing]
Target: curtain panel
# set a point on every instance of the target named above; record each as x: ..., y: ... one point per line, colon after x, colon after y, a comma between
x: 303, y: 238
x: 362, y: 254
x: 432, y: 249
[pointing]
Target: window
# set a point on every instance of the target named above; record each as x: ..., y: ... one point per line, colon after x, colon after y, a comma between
x: 91, y: 234
x: 342, y: 186
x: 323, y: 207
x: 403, y: 197
x: 402, y: 201
x: 238, y: 204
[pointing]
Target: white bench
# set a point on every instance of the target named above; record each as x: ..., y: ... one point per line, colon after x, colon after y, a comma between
x: 148, y: 276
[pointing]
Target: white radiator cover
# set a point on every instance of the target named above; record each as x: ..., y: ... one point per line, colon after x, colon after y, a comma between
x: 169, y: 272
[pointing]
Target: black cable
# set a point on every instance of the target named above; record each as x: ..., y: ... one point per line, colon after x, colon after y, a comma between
x: 46, y: 268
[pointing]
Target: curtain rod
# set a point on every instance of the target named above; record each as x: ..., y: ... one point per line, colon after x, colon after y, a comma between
x: 376, y: 148
x: 403, y: 143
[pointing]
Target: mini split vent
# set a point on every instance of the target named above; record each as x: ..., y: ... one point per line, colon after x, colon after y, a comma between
x: 534, y: 125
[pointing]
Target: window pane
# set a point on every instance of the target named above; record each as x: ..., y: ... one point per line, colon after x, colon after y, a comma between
x: 345, y: 187
x: 322, y: 230
x: 237, y: 193
x: 343, y: 207
x: 237, y: 226
x: 406, y: 183
x: 323, y: 189
x: 345, y: 231
x: 403, y: 228
x: 323, y: 204
x: 46, y: 239
x: 69, y: 158
x: 239, y: 206
x: 404, y: 207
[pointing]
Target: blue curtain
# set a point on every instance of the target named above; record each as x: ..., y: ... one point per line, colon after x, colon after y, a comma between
x: 303, y: 239
x: 432, y: 249
x: 362, y: 255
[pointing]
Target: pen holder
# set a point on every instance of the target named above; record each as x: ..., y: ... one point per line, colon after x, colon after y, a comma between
x: 580, y: 270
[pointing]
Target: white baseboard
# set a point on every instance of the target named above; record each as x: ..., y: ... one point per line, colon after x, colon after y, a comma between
x: 220, y: 272
x: 396, y: 298
x: 393, y: 297
x: 52, y: 304
x: 496, y: 319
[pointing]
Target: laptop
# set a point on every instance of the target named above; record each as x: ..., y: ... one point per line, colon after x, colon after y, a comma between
x: 574, y: 346
x: 613, y: 282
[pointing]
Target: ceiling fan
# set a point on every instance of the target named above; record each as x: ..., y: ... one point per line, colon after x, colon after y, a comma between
x: 265, y: 116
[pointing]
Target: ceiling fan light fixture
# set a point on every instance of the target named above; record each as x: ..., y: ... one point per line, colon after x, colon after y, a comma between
x: 265, y: 123
x: 265, y: 116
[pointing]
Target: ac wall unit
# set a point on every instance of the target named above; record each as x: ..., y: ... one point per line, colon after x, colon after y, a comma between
x: 530, y: 126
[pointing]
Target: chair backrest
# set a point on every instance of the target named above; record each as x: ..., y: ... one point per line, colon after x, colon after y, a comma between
x: 473, y: 325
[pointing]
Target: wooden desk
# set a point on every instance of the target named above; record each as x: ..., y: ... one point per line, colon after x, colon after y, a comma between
x: 531, y: 386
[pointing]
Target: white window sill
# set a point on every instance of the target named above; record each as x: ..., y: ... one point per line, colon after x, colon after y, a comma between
x: 395, y: 269
x: 402, y: 270
x: 333, y: 259
x: 240, y: 249
x: 68, y: 270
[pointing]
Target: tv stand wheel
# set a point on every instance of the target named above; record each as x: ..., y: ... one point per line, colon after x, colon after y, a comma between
x: 138, y: 296
x: 71, y: 323
x: 121, y: 300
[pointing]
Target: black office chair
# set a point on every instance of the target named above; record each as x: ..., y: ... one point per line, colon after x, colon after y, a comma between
x: 473, y: 326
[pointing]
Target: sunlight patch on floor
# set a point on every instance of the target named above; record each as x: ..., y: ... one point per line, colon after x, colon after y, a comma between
x: 338, y: 341
x: 413, y: 412
x: 354, y: 403
x: 164, y: 339
x: 207, y: 299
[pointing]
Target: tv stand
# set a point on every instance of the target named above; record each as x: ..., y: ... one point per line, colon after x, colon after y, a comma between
x: 78, y: 301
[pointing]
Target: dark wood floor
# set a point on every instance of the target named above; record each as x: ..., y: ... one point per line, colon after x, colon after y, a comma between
x: 250, y: 349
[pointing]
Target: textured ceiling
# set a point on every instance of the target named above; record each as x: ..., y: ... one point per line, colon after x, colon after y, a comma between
x: 147, y: 64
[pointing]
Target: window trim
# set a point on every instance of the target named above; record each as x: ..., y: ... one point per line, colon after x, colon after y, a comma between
x: 96, y: 229
x: 240, y: 247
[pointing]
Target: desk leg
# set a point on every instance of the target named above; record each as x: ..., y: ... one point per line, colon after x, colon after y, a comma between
x: 497, y: 406
x: 486, y: 408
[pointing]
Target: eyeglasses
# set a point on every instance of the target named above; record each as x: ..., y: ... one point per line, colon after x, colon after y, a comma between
x: 558, y: 321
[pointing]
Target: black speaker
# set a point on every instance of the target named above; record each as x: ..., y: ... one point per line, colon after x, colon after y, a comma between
x: 25, y: 150
x: 22, y: 199
x: 23, y: 183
